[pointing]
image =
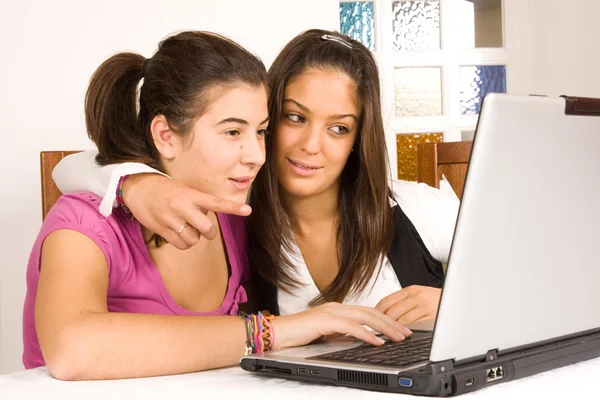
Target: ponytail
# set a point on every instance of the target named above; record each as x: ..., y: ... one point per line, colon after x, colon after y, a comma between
x: 111, y: 109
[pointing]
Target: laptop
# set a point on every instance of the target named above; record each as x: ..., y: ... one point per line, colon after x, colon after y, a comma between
x: 521, y: 289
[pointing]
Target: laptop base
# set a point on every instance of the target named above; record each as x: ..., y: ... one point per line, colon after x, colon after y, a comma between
x: 440, y: 379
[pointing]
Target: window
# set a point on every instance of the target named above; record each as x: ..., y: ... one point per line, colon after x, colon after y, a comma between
x: 437, y: 59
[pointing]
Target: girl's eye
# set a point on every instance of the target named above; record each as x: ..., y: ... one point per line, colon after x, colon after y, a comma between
x: 340, y: 130
x: 295, y: 118
x: 263, y: 132
x: 233, y: 132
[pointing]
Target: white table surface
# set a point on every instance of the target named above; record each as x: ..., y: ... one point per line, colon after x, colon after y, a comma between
x: 578, y: 381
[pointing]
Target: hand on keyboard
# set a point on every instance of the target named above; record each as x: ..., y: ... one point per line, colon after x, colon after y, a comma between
x: 411, y: 304
x: 334, y: 318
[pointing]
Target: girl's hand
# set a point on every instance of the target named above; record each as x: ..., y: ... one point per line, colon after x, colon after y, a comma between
x: 334, y: 318
x: 164, y: 206
x: 411, y: 304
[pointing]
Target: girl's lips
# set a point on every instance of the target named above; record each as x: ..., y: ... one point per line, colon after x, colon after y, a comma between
x: 303, y: 169
x: 242, y: 183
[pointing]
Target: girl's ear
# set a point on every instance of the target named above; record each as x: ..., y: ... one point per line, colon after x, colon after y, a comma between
x: 164, y: 138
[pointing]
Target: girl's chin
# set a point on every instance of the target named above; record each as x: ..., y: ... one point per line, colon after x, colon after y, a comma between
x: 239, y: 197
x: 300, y: 188
x: 226, y: 192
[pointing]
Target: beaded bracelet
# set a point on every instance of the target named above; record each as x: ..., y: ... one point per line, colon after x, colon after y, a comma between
x: 260, y: 335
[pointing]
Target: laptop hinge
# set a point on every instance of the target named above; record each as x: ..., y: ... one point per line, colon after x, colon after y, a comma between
x: 582, y: 106
x: 440, y: 367
x: 491, y: 355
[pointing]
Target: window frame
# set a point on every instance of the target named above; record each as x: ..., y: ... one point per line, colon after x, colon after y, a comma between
x: 514, y: 55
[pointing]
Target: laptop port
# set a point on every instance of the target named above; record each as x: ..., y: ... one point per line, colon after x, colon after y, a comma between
x: 314, y: 372
x: 302, y: 370
x: 494, y: 374
x: 469, y: 382
x: 405, y: 382
x: 500, y: 373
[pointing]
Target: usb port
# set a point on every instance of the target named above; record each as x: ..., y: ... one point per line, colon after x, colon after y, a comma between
x: 314, y: 372
x: 469, y: 382
x: 302, y: 370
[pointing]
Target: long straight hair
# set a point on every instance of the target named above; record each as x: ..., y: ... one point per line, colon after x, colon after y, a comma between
x: 366, y: 225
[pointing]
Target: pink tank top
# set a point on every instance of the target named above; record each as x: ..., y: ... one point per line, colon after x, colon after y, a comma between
x: 135, y: 284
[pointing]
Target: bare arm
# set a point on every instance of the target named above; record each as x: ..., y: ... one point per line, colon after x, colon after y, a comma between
x: 158, y: 202
x: 80, y: 339
x: 79, y: 172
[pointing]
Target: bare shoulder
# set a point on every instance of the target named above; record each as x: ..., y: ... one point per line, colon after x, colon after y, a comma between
x: 64, y: 248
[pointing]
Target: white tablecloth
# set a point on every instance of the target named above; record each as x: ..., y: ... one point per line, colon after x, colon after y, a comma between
x: 579, y: 381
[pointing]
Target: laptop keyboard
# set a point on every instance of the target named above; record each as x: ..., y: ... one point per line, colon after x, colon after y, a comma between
x: 393, y: 354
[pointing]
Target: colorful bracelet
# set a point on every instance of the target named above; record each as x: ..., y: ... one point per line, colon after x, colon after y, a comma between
x: 260, y: 335
x: 120, y: 194
x: 249, y: 330
x: 267, y: 335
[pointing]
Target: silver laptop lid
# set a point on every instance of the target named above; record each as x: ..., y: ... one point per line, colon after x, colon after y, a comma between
x: 524, y: 263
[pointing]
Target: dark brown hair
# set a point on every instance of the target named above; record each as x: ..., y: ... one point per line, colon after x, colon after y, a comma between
x: 366, y: 226
x: 178, y: 83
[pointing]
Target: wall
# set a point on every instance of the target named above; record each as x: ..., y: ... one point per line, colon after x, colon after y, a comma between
x: 564, y: 47
x: 49, y: 51
x: 488, y: 27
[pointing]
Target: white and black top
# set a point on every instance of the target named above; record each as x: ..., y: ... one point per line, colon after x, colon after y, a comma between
x: 425, y: 220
